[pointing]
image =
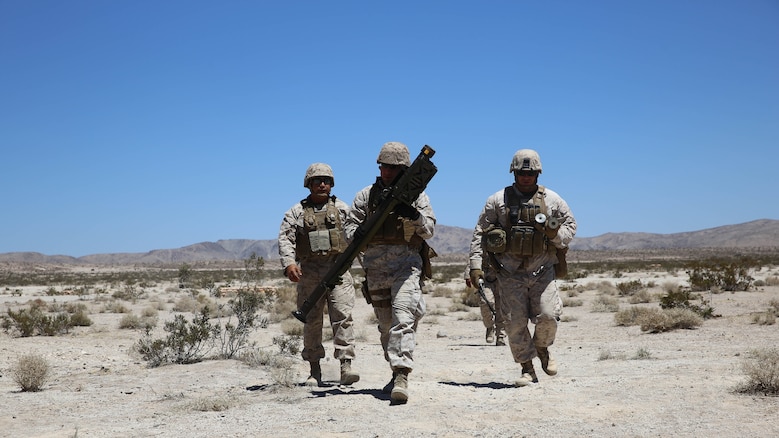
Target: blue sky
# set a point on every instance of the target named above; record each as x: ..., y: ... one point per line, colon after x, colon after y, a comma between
x: 128, y: 126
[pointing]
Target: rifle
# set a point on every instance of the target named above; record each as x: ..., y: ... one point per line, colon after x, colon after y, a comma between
x: 483, y: 296
x: 406, y: 188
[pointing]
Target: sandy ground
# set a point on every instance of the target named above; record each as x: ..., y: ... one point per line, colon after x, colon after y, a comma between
x: 460, y: 386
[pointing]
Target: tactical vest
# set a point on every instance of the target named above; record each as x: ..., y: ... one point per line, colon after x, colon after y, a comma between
x: 521, y: 236
x: 395, y: 230
x: 322, y: 231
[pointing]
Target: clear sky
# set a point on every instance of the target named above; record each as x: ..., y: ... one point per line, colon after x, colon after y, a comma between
x: 128, y: 126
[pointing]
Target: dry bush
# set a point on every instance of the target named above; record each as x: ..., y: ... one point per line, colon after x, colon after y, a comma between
x: 572, y: 302
x: 602, y: 287
x: 31, y: 372
x: 114, y: 306
x: 459, y: 307
x: 568, y: 318
x: 764, y: 318
x: 642, y: 354
x: 443, y: 291
x: 633, y: 315
x: 470, y: 297
x: 134, y: 322
x: 642, y: 296
x: 671, y: 319
x: 292, y: 327
x: 762, y: 370
x: 604, y: 303
x: 211, y: 404
x: 772, y: 280
x: 469, y: 316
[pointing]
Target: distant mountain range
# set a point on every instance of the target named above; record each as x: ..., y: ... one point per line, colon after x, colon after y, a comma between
x: 763, y: 233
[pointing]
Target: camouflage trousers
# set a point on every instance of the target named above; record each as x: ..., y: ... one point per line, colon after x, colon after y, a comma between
x: 340, y: 302
x: 397, y: 270
x: 492, y: 293
x: 527, y: 298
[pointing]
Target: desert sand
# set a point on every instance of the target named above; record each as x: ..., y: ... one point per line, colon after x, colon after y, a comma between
x: 460, y: 387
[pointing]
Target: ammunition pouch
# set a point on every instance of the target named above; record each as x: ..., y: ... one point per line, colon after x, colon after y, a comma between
x: 525, y: 241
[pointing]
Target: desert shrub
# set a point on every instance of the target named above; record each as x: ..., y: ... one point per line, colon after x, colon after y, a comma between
x: 134, y: 322
x: 292, y: 327
x: 726, y: 275
x: 286, y: 302
x: 633, y: 315
x: 572, y: 302
x: 114, y: 306
x: 642, y: 296
x: 772, y: 280
x: 288, y: 345
x: 186, y: 342
x: 642, y: 354
x: 670, y: 319
x: 629, y: 287
x: 469, y: 316
x: 762, y: 370
x: 442, y: 291
x: 604, y: 303
x: 459, y: 307
x: 129, y: 292
x: 232, y: 338
x: 764, y: 318
x: 32, y: 322
x: 680, y: 299
x: 30, y: 372
x: 80, y: 319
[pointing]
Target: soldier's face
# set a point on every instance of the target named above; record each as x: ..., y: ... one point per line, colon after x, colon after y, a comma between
x: 525, y: 180
x: 388, y: 172
x: 320, y: 188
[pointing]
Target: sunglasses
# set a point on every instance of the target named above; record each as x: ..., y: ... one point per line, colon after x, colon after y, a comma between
x: 390, y: 166
x: 317, y: 180
x: 525, y: 173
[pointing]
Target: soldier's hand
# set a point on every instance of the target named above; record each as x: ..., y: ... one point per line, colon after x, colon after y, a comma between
x: 293, y: 272
x: 550, y: 233
x: 405, y: 210
x: 475, y: 275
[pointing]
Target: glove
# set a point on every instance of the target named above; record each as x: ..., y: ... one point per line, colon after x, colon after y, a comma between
x: 405, y: 210
x: 475, y: 275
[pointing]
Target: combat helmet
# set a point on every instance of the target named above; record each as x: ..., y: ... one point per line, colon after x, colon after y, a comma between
x: 394, y: 153
x: 318, y: 169
x: 526, y: 159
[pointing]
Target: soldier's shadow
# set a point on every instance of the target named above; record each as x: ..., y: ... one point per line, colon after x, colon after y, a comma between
x: 333, y: 389
x: 489, y: 385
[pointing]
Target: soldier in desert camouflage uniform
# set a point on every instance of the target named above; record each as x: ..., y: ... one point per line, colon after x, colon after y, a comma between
x: 494, y: 323
x: 526, y: 227
x: 310, y: 238
x: 393, y: 266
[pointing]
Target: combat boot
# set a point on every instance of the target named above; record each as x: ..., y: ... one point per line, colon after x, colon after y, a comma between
x: 548, y: 364
x: 490, y: 336
x: 400, y: 386
x: 501, y: 338
x: 388, y: 387
x: 347, y: 375
x: 315, y: 379
x: 528, y: 375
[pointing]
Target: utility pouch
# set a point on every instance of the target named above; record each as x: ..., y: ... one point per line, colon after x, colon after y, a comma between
x: 319, y: 240
x: 337, y: 241
x: 495, y: 241
x: 525, y: 241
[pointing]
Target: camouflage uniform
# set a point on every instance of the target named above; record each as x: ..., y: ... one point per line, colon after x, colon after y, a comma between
x: 340, y: 300
x: 528, y: 290
x: 495, y: 324
x: 396, y: 269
